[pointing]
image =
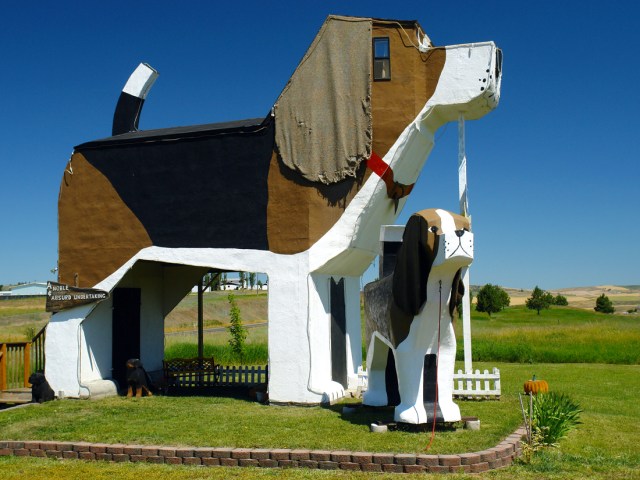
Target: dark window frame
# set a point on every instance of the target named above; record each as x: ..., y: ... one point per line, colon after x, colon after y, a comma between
x: 377, y: 78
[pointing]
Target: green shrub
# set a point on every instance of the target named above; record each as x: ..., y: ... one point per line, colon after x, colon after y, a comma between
x: 236, y: 329
x: 554, y: 415
x: 560, y: 300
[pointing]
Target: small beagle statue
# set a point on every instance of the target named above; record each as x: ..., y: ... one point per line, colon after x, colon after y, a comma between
x: 409, y: 318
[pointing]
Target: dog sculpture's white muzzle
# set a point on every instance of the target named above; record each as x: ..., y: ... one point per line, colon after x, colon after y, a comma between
x: 455, y: 249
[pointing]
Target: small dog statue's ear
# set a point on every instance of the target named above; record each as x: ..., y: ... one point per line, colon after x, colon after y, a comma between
x: 457, y: 292
x: 414, y: 261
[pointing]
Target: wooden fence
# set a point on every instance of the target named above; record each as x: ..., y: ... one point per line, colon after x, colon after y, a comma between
x: 18, y: 360
x: 224, y: 376
x: 250, y: 376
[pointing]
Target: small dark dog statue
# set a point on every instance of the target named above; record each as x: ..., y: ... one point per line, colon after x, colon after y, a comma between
x: 41, y: 391
x: 137, y: 378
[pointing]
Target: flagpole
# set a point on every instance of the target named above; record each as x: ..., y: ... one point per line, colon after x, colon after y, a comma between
x: 464, y: 210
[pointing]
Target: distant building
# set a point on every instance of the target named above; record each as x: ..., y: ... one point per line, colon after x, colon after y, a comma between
x: 29, y: 289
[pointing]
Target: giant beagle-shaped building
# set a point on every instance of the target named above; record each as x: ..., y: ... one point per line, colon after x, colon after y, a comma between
x: 299, y: 194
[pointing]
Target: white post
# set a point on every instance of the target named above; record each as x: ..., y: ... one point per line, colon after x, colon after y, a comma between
x: 464, y: 210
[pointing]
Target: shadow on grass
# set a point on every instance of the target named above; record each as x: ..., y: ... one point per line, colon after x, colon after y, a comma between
x: 359, y: 414
x: 237, y: 393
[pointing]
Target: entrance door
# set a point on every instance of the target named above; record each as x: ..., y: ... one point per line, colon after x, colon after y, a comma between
x: 125, y: 330
x: 338, y: 333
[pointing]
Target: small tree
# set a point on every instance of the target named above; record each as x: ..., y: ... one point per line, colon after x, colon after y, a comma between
x: 539, y: 300
x: 252, y: 280
x: 236, y: 329
x: 213, y: 280
x: 492, y: 299
x: 604, y: 305
x: 560, y: 300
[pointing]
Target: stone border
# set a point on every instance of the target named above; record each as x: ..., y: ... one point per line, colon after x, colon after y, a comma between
x: 501, y: 455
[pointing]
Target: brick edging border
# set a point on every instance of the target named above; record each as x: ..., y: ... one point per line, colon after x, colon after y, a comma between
x: 499, y: 456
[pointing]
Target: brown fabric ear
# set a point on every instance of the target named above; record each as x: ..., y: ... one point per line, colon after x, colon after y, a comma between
x: 415, y: 257
x: 457, y: 291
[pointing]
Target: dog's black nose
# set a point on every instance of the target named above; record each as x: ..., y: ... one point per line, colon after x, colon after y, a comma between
x: 459, y: 233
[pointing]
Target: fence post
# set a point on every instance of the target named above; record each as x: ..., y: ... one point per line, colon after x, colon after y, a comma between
x: 3, y: 366
x: 27, y: 364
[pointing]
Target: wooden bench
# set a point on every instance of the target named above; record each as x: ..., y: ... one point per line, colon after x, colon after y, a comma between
x: 190, y: 372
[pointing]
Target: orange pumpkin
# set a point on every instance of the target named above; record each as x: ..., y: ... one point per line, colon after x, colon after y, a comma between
x: 534, y: 386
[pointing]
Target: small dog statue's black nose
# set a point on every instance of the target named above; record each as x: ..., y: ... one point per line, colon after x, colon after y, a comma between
x: 459, y: 233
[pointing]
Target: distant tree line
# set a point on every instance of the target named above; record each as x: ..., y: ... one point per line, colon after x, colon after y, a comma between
x: 493, y: 299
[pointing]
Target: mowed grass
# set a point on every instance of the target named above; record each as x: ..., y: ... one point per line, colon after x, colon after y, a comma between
x: 603, y: 446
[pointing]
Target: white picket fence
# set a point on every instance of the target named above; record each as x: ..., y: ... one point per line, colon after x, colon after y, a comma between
x: 477, y: 385
x: 474, y: 385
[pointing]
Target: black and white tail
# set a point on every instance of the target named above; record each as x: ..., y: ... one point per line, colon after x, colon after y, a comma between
x: 127, y: 114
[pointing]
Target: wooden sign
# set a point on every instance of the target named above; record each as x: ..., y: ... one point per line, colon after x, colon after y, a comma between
x: 61, y: 296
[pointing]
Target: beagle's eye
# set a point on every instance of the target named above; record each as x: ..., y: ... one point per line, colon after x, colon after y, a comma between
x: 434, y: 229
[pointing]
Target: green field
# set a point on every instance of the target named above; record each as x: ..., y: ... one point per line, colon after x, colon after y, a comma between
x: 18, y: 315
x: 216, y: 310
x: 557, y: 335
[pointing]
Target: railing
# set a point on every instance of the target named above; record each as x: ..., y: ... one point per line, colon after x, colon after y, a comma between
x: 19, y: 359
x: 250, y: 376
x: 477, y: 385
x: 224, y: 376
x: 37, y: 351
x: 15, y: 364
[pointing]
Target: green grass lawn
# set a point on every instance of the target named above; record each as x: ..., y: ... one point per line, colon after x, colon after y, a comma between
x: 594, y: 358
x: 604, y: 446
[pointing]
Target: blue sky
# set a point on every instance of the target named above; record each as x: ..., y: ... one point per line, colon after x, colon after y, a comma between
x: 553, y: 171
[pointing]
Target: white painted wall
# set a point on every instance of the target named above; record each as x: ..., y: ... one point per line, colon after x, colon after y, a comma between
x: 62, y: 350
x: 353, y: 329
x: 95, y: 345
